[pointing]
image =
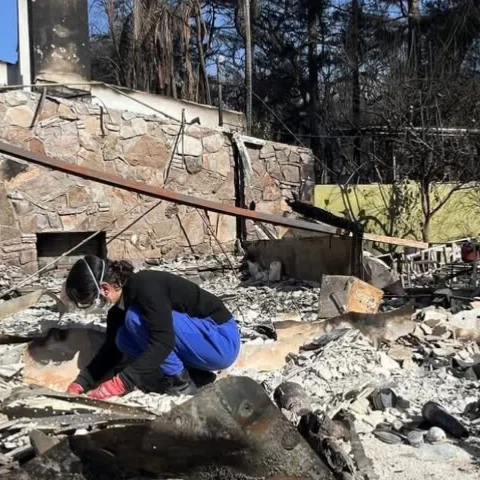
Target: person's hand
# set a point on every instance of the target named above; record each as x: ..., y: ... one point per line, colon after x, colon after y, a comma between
x: 75, y: 388
x: 111, y: 388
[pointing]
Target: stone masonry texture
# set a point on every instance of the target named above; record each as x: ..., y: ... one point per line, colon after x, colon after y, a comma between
x: 35, y: 200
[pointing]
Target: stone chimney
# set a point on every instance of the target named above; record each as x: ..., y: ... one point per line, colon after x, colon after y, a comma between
x: 59, y: 40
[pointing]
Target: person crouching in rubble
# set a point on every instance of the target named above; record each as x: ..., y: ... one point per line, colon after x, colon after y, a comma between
x: 161, y: 323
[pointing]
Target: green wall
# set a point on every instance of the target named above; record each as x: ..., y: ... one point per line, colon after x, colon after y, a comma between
x: 396, y: 211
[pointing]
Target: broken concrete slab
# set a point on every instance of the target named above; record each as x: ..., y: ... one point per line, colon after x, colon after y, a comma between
x: 15, y: 305
x: 292, y: 335
x: 380, y: 275
x: 55, y: 361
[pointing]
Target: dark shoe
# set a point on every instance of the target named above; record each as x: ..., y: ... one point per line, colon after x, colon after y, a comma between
x: 180, y: 384
x: 201, y: 377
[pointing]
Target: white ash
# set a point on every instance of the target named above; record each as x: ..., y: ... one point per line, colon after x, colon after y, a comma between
x: 152, y: 402
x: 334, y: 375
x: 11, y: 354
x: 251, y: 303
x: 36, y: 322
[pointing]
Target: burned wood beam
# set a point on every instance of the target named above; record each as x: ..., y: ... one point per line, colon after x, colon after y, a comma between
x: 316, y: 213
x: 161, y: 193
x: 310, y: 211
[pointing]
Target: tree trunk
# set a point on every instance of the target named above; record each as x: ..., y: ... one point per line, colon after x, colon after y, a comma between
x: 414, y: 36
x: 426, y: 208
x: 313, y: 83
x: 248, y: 65
x: 201, y: 54
x: 356, y: 82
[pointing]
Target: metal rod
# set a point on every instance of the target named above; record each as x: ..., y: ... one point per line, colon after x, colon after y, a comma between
x: 183, y: 138
x: 210, y: 229
x: 166, y: 172
x: 64, y: 254
x: 161, y: 193
x: 38, y: 110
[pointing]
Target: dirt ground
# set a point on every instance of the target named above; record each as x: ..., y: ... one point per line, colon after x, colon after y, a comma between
x: 446, y: 461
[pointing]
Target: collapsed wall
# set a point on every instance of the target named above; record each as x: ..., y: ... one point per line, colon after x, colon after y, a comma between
x: 42, y: 211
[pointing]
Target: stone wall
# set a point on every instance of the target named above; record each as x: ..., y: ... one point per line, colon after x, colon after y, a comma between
x: 34, y: 199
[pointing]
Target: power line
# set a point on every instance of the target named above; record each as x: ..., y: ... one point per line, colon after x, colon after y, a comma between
x: 324, y: 165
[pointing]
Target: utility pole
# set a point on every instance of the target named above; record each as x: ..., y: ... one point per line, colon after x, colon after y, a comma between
x: 248, y: 65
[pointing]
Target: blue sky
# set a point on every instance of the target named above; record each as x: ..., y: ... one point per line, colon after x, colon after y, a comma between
x: 8, y: 30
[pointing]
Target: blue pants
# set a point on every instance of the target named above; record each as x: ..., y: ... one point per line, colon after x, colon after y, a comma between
x: 199, y: 342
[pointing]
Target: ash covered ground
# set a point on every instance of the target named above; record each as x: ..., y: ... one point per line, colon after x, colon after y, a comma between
x: 342, y: 374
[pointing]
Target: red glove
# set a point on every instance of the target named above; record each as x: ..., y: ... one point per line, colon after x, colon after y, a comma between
x: 111, y: 388
x: 75, y: 388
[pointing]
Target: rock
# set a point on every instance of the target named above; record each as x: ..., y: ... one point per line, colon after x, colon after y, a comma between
x: 426, y: 329
x: 213, y: 143
x: 387, y: 362
x: 112, y: 127
x: 20, y: 116
x: 92, y: 125
x: 441, y: 331
x: 273, y: 168
x: 435, y: 435
x: 397, y: 425
x: 443, y: 352
x: 139, y: 126
x: 218, y: 162
x: 127, y: 132
x: 37, y: 146
x: 226, y: 228
x: 7, y: 216
x: 27, y: 256
x: 399, y: 353
x: 271, y: 192
x: 78, y: 197
x: 433, y: 313
x: 415, y: 438
x: 16, y: 98
x: 193, y: 164
x: 378, y: 273
x: 281, y: 155
x: 193, y: 229
x: 190, y: 146
x: 433, y: 322
x: 66, y: 113
x: 148, y: 152
x: 291, y: 173
x: 267, y: 151
x: 62, y: 146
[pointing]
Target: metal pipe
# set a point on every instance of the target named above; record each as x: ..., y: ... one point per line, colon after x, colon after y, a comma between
x: 161, y: 193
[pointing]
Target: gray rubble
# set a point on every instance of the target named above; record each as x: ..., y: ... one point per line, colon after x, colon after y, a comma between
x: 431, y: 364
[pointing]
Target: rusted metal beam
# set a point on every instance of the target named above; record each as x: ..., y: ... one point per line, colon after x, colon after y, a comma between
x: 158, y: 192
